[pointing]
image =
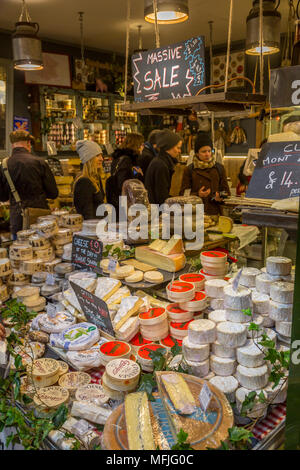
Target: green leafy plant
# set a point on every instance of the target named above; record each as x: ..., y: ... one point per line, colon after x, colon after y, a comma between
x: 182, y: 443
x: 117, y: 253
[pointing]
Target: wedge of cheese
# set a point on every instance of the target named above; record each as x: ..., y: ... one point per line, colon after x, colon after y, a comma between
x: 225, y: 224
x: 170, y: 263
x: 138, y: 422
x: 117, y: 297
x: 106, y: 287
x: 157, y: 245
x: 129, y: 307
x: 174, y: 246
x: 179, y: 393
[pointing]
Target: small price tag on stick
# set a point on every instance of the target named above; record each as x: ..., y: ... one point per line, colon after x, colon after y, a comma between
x: 51, y: 310
x: 236, y: 281
x: 112, y: 265
x: 50, y: 280
x: 204, y: 397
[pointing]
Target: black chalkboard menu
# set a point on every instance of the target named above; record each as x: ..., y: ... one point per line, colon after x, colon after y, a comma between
x: 277, y: 172
x: 87, y: 253
x: 169, y: 72
x: 95, y: 309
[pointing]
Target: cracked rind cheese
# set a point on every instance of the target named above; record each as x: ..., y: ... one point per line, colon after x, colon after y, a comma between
x: 237, y: 300
x: 85, y: 359
x: 202, y: 331
x: 263, y: 283
x: 284, y: 328
x: 73, y: 380
x: 129, y: 307
x: 194, y: 352
x: 51, y: 397
x: 57, y: 324
x: 199, y: 369
x: 282, y: 292
x: 278, y: 266
x: 223, y: 366
x: 78, y: 337
x: 179, y: 393
x: 214, y: 288
x: 227, y: 385
x: 129, y: 330
x: 236, y: 316
x: 217, y: 316
x: 250, y: 355
x: 277, y: 394
x: 261, y: 303
x: 178, y: 291
x: 197, y: 304
x: 248, y: 277
x: 138, y: 422
x: 231, y: 334
x: 197, y: 280
x: 259, y: 409
x: 44, y: 372
x: 91, y: 393
x: 106, y: 287
x: 177, y: 314
x: 220, y: 350
x: 252, y: 378
x: 91, y: 412
x: 170, y: 263
x: 281, y: 312
x: 217, y: 304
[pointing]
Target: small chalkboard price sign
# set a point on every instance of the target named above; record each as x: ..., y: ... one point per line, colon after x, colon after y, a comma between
x: 277, y: 172
x: 95, y: 309
x: 87, y: 253
x: 169, y: 72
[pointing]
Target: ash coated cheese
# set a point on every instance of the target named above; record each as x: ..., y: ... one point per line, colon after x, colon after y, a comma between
x: 214, y: 288
x: 252, y: 378
x: 86, y: 359
x: 78, y: 337
x: 259, y: 409
x: 277, y: 266
x: 194, y: 352
x: 281, y: 312
x: 177, y: 314
x: 217, y: 304
x: 261, y: 303
x: 237, y: 300
x: 56, y: 324
x: 199, y: 369
x: 217, y: 316
x: 91, y: 393
x: 223, y: 366
x: 220, y: 350
x: 284, y: 328
x: 231, y: 334
x: 227, y: 385
x: 250, y: 355
x: 202, y: 331
x: 282, y: 292
x: 263, y: 283
x: 197, y: 280
x: 248, y: 277
x: 236, y: 316
x: 73, y: 380
x: 178, y: 291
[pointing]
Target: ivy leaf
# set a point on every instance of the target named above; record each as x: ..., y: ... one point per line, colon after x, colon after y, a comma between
x: 224, y: 445
x: 17, y: 385
x: 275, y: 377
x: 176, y: 349
x: 158, y: 358
x: 248, y: 403
x: 26, y: 399
x: 147, y: 384
x: 253, y: 327
x: 266, y: 342
x: 247, y: 311
x: 237, y: 434
x: 60, y: 416
x: 261, y: 397
x: 181, y: 443
x: 272, y: 355
x: 18, y: 361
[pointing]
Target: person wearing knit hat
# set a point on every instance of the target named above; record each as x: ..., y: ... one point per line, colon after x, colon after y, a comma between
x: 88, y: 189
x: 205, y: 177
x: 160, y: 171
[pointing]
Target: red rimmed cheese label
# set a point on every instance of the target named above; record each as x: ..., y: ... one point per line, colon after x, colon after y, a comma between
x: 178, y: 286
x: 199, y: 296
x: 169, y: 342
x: 144, y: 351
x: 138, y: 340
x: 206, y: 274
x: 174, y: 308
x: 180, y: 326
x: 192, y: 277
x: 115, y: 348
x: 214, y: 254
x: 152, y: 313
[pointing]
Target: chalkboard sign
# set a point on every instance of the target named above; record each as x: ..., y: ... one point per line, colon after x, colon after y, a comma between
x: 95, y: 309
x: 277, y: 172
x: 169, y: 72
x: 86, y: 253
x: 285, y: 87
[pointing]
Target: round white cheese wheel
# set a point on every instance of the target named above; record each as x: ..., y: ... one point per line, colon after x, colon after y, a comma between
x: 56, y: 324
x: 153, y: 277
x: 277, y: 394
x: 250, y: 355
x: 227, y: 385
x: 281, y: 312
x: 284, y: 328
x: 263, y: 283
x: 277, y: 265
x: 199, y: 369
x: 197, y: 304
x: 248, y: 277
x: 51, y: 397
x: 237, y: 300
x: 217, y: 304
x: 252, y: 378
x: 202, y: 331
x: 268, y: 322
x: 214, y: 288
x: 194, y: 352
x: 236, y: 316
x: 217, y: 316
x: 271, y: 335
x: 220, y: 350
x: 122, y: 374
x: 44, y: 372
x: 231, y: 334
x: 282, y: 292
x: 259, y: 410
x: 136, y: 276
x: 223, y: 366
x: 261, y: 303
x: 78, y: 337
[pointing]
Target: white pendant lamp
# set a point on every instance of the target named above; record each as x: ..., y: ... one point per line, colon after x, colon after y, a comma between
x: 168, y: 11
x: 271, y: 28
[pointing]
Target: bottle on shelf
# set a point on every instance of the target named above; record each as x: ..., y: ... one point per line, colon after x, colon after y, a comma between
x: 296, y: 48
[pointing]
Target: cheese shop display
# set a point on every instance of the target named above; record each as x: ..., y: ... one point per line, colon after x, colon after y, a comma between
x: 114, y: 350
x: 73, y: 380
x: 154, y: 324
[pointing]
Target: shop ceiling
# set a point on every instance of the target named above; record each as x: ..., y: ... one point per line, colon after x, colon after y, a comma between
x: 105, y: 21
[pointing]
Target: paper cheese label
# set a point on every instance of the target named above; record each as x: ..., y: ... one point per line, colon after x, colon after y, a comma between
x: 152, y: 313
x: 181, y: 326
x: 115, y: 348
x: 74, y: 380
x: 144, y: 351
x: 169, y: 342
x: 214, y: 254
x: 79, y: 336
x: 123, y: 369
x: 192, y: 278
x: 51, y: 396
x: 91, y: 393
x: 44, y: 367
x: 178, y: 286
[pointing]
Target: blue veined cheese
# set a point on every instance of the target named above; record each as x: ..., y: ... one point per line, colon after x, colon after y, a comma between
x: 76, y: 338
x: 227, y: 385
x: 250, y: 355
x: 57, y: 324
x: 223, y: 366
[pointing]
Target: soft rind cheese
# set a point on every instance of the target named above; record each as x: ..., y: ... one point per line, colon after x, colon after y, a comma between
x: 129, y: 330
x: 282, y: 292
x: 235, y: 316
x: 237, y: 300
x: 202, y: 331
x: 89, y: 411
x: 263, y: 283
x: 198, y: 303
x: 217, y: 316
x: 223, y: 366
x: 261, y: 303
x: 227, y: 385
x: 281, y: 312
x: 252, y: 378
x: 277, y: 266
x: 220, y: 350
x: 106, y: 287
x: 138, y: 422
x: 136, y: 276
x: 129, y: 306
x: 194, y: 352
x: 114, y: 350
x: 57, y: 324
x: 259, y: 409
x: 117, y: 297
x: 78, y: 337
x: 231, y: 334
x: 214, y: 288
x: 284, y: 328
x: 277, y: 394
x: 259, y: 321
x: 86, y: 359
x: 170, y: 263
x: 268, y: 322
x: 44, y: 372
x: 250, y: 355
x: 199, y: 369
x: 217, y: 304
x: 248, y: 277
x: 154, y: 277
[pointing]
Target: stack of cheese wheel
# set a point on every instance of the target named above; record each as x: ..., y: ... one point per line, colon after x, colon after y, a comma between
x: 17, y: 278
x: 48, y: 227
x: 59, y: 215
x: 5, y: 267
x: 122, y: 375
x: 179, y: 330
x: 3, y: 253
x: 44, y: 372
x: 279, y: 268
x: 45, y: 255
x: 143, y: 355
x: 20, y: 251
x: 74, y: 380
x: 214, y: 289
x: 196, y: 346
x: 170, y: 342
x: 62, y: 237
x: 50, y: 266
x: 138, y: 341
x: 198, y: 280
x: 259, y: 409
x: 281, y: 308
x: 214, y: 264
x: 24, y: 235
x: 30, y: 297
x: 154, y: 324
x: 72, y: 221
x: 114, y: 350
x: 248, y: 277
x: 197, y: 304
x: 177, y: 314
x: 261, y: 306
x: 179, y: 291
x: 4, y: 295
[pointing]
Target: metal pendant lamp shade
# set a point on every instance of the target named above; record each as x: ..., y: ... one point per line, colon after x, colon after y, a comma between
x: 27, y: 47
x: 271, y: 29
x: 168, y: 11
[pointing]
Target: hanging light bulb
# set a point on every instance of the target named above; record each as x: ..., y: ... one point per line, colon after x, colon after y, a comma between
x: 271, y: 28
x: 27, y: 47
x: 168, y: 11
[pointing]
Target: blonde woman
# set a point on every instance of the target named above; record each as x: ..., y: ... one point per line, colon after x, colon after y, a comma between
x: 88, y: 189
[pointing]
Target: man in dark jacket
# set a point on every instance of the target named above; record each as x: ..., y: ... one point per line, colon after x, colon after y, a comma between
x: 149, y: 152
x: 31, y: 176
x: 161, y: 169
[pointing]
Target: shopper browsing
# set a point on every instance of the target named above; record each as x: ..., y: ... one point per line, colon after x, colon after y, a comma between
x: 88, y: 189
x: 161, y: 169
x: 149, y: 152
x: 204, y: 177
